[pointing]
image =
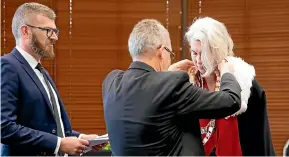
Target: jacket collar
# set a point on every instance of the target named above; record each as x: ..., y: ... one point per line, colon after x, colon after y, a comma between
x: 141, y: 66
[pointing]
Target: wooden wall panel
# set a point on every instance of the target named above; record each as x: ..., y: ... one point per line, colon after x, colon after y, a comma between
x: 268, y: 51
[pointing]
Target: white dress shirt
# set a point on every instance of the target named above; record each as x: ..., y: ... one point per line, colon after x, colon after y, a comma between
x: 33, y: 63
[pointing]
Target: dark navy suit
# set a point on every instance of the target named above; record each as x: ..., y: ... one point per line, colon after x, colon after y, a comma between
x: 28, y: 126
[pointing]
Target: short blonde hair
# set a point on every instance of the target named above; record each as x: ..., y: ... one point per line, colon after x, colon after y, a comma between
x: 216, y: 43
x: 21, y: 15
x: 146, y: 36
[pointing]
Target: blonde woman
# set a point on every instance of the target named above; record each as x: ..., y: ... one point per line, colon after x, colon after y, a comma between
x: 247, y: 132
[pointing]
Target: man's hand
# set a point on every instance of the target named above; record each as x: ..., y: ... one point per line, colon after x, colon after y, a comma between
x: 183, y: 65
x: 192, y: 74
x: 95, y: 148
x: 225, y: 67
x: 88, y: 137
x: 73, y: 145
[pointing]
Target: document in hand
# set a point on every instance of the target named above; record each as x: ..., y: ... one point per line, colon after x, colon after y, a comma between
x: 97, y: 141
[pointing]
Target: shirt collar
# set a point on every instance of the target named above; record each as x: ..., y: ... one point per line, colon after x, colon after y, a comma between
x: 30, y: 59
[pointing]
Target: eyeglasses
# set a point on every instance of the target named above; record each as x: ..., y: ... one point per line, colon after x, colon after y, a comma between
x: 49, y: 31
x: 172, y: 54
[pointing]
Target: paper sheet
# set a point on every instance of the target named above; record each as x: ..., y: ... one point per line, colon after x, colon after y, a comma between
x: 97, y: 141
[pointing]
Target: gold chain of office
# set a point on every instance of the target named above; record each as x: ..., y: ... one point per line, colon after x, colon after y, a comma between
x: 211, y: 125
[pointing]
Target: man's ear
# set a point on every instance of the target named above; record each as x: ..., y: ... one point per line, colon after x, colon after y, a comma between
x: 24, y: 31
x: 159, y: 52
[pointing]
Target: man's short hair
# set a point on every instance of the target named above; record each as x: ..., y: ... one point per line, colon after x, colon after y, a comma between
x: 146, y: 36
x: 22, y: 13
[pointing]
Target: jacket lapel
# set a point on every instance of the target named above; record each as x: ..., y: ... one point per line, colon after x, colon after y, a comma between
x: 33, y: 76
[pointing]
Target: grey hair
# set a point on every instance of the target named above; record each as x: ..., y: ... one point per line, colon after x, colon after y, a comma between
x: 146, y: 36
x: 216, y: 42
x: 22, y: 13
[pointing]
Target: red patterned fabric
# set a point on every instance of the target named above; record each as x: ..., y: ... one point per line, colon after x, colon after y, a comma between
x: 225, y: 137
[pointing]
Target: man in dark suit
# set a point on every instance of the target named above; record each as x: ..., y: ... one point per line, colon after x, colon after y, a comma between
x: 146, y: 107
x: 33, y: 117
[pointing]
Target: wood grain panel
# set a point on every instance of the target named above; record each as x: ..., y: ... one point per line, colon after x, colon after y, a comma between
x: 268, y: 51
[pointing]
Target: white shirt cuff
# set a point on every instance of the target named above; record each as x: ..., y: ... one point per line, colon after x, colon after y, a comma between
x: 80, y: 135
x: 57, y: 146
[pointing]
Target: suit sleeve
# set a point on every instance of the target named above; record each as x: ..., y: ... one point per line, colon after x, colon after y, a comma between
x: 12, y: 133
x: 75, y: 133
x: 205, y: 104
